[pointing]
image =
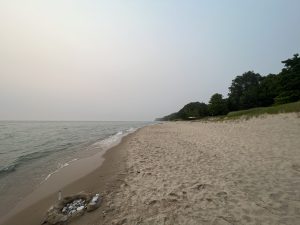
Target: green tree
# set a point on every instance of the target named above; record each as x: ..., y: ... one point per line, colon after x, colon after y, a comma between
x: 289, y: 80
x: 172, y: 116
x: 244, y: 91
x: 193, y: 110
x: 268, y: 90
x: 217, y: 105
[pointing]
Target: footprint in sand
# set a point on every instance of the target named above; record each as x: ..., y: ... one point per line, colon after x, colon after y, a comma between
x: 222, y: 221
x: 296, y: 167
x: 201, y: 186
x: 222, y: 195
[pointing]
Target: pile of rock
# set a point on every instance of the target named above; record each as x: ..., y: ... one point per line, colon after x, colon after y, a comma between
x: 71, y: 207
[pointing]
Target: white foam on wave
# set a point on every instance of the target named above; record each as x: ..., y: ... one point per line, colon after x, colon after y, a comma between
x: 103, y: 144
x: 131, y: 130
x: 113, y: 139
x: 59, y: 167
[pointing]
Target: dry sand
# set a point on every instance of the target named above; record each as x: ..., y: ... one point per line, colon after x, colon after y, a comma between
x: 236, y: 172
x: 217, y: 173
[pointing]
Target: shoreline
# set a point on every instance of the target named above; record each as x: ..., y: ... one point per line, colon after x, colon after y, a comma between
x: 82, y: 175
x: 211, y: 173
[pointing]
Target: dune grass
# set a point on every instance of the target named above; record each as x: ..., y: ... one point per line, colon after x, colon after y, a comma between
x: 285, y: 108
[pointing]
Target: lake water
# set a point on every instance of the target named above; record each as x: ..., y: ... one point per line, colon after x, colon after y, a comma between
x: 30, y: 152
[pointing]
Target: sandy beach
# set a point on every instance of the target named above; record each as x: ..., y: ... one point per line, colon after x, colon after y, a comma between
x: 217, y: 173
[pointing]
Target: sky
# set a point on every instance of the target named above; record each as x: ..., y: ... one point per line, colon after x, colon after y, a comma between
x: 134, y: 60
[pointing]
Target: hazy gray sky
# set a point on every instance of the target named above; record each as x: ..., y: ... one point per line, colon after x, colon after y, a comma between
x: 134, y: 60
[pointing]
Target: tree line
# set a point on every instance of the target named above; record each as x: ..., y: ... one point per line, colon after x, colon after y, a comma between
x: 247, y: 91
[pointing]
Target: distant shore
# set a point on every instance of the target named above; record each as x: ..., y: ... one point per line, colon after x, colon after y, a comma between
x: 230, y: 172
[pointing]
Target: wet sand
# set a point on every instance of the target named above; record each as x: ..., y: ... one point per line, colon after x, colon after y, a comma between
x: 98, y: 174
x: 211, y: 173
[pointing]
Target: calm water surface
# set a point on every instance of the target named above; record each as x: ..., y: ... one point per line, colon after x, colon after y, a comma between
x: 31, y: 151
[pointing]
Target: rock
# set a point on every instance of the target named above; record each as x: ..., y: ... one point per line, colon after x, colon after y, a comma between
x: 91, y: 207
x: 64, y: 210
x: 80, y: 208
x: 94, y: 203
x: 95, y: 198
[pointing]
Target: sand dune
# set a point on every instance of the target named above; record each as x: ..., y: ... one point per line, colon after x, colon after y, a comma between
x: 236, y: 172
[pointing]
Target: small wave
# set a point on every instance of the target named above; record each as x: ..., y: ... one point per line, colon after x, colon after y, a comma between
x: 32, y: 156
x: 25, y: 159
x: 7, y: 169
x: 113, y: 139
x: 60, y: 166
x: 119, y: 133
x: 6, y: 136
x: 131, y: 130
